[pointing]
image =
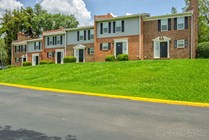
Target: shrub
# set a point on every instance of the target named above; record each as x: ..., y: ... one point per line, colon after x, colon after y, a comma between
x: 203, y: 50
x: 70, y: 59
x: 110, y: 58
x: 43, y: 62
x: 27, y: 64
x: 122, y: 57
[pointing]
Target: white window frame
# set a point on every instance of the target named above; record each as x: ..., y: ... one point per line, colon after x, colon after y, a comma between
x: 81, y: 35
x: 50, y: 54
x: 58, y: 40
x: 17, y: 59
x: 105, y: 46
x: 92, y: 34
x: 181, y: 42
x: 164, y: 22
x: 105, y: 27
x: 50, y: 40
x: 37, y: 46
x: 118, y: 25
x: 91, y: 50
x: 180, y: 20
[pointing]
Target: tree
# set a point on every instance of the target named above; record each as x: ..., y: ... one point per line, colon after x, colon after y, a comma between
x: 174, y: 10
x: 3, y: 52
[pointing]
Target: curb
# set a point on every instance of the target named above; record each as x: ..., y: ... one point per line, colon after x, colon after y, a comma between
x: 173, y: 102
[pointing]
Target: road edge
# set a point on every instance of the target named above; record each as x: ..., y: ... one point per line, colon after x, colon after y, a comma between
x: 162, y: 101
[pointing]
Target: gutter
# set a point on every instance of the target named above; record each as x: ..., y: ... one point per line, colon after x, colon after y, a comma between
x: 192, y: 31
x: 65, y: 43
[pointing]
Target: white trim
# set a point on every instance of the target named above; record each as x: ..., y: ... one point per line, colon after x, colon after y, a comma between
x: 183, y: 42
x: 162, y: 39
x: 62, y: 55
x: 181, y: 23
x: 33, y: 61
x: 76, y: 51
x: 123, y: 40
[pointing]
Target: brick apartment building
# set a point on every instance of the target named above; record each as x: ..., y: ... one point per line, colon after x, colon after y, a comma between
x: 141, y: 36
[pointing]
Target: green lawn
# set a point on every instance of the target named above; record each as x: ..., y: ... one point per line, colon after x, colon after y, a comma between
x: 186, y: 80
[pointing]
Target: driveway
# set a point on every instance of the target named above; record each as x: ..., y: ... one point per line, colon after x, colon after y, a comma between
x: 39, y: 115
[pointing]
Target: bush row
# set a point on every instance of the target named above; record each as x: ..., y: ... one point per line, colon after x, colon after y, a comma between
x: 203, y: 50
x: 120, y: 57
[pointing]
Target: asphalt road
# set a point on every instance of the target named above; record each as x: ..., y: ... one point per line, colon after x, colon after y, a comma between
x: 37, y: 115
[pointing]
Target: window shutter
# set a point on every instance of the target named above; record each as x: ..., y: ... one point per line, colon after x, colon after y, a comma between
x: 109, y: 46
x: 169, y: 24
x: 53, y: 53
x: 175, y: 23
x: 175, y: 43
x: 88, y: 50
x: 100, y: 46
x: 101, y: 28
x: 55, y: 40
x: 21, y: 48
x: 109, y: 27
x: 186, y: 43
x: 61, y: 39
x: 15, y: 48
x: 84, y: 34
x: 123, y: 26
x: 114, y: 27
x: 34, y: 45
x: 186, y: 22
x: 89, y: 35
x: 159, y: 25
x: 78, y: 35
x: 47, y: 41
x: 39, y: 44
x: 47, y: 55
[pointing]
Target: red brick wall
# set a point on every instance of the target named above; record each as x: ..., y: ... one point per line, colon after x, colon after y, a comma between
x: 88, y: 57
x: 44, y: 53
x: 151, y: 32
x: 133, y: 47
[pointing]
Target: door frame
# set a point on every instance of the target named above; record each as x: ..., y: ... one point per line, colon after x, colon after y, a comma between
x: 76, y: 49
x: 62, y: 55
x: 158, y: 40
x: 33, y: 57
x: 122, y: 40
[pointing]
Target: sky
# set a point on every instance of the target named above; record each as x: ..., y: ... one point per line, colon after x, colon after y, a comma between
x: 84, y: 10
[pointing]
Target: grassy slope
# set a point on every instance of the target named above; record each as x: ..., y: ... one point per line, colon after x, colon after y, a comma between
x: 186, y: 80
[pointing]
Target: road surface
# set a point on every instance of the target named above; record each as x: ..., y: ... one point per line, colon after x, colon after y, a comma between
x: 40, y: 115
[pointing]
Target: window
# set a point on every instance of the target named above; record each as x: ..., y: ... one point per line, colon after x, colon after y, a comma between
x: 105, y: 46
x: 24, y: 48
x: 180, y: 43
x: 37, y: 46
x: 180, y: 23
x: 50, y: 40
x: 105, y: 27
x: 91, y: 50
x: 50, y: 54
x: 58, y: 39
x: 17, y: 48
x: 164, y: 24
x: 92, y: 33
x: 81, y: 37
x: 17, y: 59
x: 118, y: 26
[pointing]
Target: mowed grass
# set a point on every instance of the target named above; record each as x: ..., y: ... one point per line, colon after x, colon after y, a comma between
x: 185, y: 80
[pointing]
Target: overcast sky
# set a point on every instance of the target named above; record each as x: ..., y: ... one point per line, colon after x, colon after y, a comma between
x: 84, y: 10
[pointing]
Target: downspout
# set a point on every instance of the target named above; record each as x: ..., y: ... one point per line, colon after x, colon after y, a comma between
x: 192, y: 30
x: 139, y: 48
x: 65, y: 43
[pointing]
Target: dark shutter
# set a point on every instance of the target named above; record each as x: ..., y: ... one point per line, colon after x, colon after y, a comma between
x: 61, y: 39
x: 109, y: 26
x: 159, y: 25
x: 21, y: 48
x: 89, y: 35
x: 88, y: 50
x: 53, y: 40
x: 34, y: 45
x: 186, y: 22
x: 109, y: 46
x: 175, y: 43
x: 39, y: 44
x: 78, y: 35
x: 47, y: 54
x: 175, y: 23
x: 114, y: 27
x: 169, y: 24
x: 100, y: 46
x: 53, y: 53
x: 15, y: 48
x: 186, y: 43
x: 101, y: 28
x: 123, y: 26
x: 84, y: 34
x: 47, y: 41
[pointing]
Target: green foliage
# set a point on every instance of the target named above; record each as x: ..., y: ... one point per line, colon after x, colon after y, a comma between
x: 110, y: 58
x: 42, y: 62
x: 27, y: 64
x: 174, y: 10
x: 203, y: 50
x: 70, y: 59
x: 3, y: 52
x: 122, y: 57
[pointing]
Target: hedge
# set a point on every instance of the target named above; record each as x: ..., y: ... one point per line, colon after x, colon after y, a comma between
x: 203, y: 50
x: 70, y: 59
x: 27, y: 64
x: 122, y: 57
x: 110, y: 58
x: 43, y: 62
